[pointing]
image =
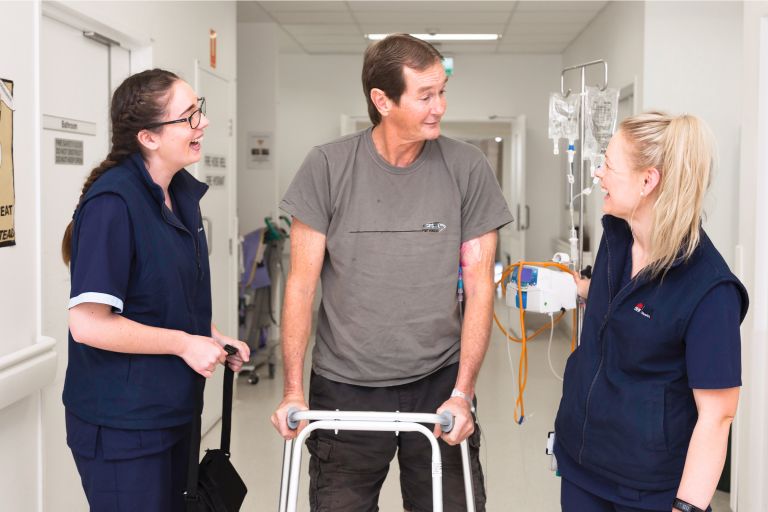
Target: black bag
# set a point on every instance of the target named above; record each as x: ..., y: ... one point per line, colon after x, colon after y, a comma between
x: 214, y: 485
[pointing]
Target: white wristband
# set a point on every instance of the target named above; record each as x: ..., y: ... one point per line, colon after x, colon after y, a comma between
x: 463, y: 395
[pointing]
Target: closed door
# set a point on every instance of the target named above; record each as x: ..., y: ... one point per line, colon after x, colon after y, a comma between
x: 75, y: 90
x: 218, y: 207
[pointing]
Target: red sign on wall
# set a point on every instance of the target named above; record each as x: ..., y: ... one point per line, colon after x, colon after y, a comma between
x: 213, y: 48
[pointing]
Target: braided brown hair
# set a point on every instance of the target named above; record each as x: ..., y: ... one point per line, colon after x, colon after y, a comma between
x: 139, y: 101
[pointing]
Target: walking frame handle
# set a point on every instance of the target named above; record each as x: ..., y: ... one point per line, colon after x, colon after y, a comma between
x: 445, y: 419
x: 369, y: 421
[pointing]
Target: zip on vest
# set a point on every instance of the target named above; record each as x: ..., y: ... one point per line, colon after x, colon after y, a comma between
x: 175, y: 222
x: 611, y: 301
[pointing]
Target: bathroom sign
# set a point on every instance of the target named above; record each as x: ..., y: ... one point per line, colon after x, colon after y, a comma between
x: 63, y: 124
x: 7, y: 195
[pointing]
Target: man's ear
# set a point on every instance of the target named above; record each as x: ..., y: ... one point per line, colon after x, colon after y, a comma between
x: 148, y: 139
x: 381, y: 101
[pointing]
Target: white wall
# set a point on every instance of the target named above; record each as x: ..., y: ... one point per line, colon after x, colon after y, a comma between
x: 19, y: 326
x: 20, y: 425
x: 751, y: 469
x: 316, y: 90
x: 257, y: 87
x: 692, y: 58
x: 176, y: 31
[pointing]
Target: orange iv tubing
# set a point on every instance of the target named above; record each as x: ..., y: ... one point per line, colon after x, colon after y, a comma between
x: 522, y: 375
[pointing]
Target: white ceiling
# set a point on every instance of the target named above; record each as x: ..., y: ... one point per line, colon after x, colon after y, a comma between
x: 320, y: 27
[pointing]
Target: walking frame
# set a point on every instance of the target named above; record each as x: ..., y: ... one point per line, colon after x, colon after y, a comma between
x: 369, y: 421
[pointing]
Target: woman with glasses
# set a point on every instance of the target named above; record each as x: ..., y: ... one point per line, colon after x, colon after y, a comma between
x: 141, y: 340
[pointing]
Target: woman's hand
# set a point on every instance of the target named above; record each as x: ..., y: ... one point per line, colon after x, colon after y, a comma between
x: 235, y: 361
x: 203, y: 354
x: 582, y: 284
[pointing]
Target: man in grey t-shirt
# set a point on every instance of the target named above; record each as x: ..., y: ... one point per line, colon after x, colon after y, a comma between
x: 386, y: 218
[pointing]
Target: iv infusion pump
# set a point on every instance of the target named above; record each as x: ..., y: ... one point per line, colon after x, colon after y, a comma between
x: 543, y: 290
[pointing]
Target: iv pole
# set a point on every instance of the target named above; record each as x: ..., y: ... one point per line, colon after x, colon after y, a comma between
x: 578, y: 265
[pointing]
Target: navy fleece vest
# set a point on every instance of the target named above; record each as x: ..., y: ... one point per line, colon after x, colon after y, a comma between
x: 169, y: 287
x: 627, y: 412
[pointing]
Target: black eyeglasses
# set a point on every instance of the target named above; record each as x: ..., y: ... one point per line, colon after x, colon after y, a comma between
x: 193, y: 120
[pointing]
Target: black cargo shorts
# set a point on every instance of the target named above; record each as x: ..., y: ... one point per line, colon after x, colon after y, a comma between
x: 347, y: 469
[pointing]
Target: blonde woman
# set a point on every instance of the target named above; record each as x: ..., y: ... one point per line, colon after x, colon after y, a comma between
x: 650, y: 393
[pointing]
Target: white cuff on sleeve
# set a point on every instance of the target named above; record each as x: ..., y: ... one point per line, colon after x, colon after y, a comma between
x: 98, y: 298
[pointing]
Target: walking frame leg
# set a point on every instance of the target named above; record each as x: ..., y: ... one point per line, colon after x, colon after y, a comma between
x: 467, y: 469
x: 287, y: 451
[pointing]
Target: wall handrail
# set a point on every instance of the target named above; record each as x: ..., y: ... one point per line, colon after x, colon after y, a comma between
x: 27, y: 370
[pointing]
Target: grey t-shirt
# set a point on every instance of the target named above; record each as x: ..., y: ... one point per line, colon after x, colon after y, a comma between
x: 389, y: 313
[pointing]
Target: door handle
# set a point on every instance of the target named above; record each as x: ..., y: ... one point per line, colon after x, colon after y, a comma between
x: 518, y: 225
x: 527, y: 218
x: 208, y: 225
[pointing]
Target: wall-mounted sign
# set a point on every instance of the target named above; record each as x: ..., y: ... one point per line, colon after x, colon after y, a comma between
x: 215, y: 180
x: 7, y: 195
x: 69, y: 152
x: 212, y: 38
x: 64, y: 124
x: 259, y: 149
x: 215, y: 161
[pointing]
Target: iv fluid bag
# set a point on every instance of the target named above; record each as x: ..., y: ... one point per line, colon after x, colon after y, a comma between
x: 563, y: 117
x: 602, y: 110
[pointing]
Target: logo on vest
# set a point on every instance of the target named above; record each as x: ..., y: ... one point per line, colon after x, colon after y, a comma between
x: 640, y: 308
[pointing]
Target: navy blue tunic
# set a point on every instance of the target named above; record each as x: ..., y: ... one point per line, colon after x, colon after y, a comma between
x: 151, y: 265
x: 627, y: 412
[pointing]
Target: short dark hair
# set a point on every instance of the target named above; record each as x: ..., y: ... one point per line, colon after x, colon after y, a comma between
x: 383, y: 66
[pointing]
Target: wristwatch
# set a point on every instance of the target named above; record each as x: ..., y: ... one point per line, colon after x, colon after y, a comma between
x: 684, y: 506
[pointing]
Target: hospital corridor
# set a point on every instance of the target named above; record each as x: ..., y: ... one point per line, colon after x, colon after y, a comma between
x: 358, y: 255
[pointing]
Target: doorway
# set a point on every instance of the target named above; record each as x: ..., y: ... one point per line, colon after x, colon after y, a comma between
x: 215, y: 168
x: 76, y: 82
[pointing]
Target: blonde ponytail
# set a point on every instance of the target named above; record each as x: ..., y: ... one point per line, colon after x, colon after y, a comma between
x: 681, y: 149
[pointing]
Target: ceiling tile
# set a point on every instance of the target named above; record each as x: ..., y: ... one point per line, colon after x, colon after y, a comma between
x: 337, y: 48
x: 431, y: 19
x: 552, y: 17
x: 330, y: 28
x: 251, y: 12
x: 432, y: 7
x: 532, y: 48
x: 575, y: 5
x: 312, y: 17
x: 571, y: 29
x: 303, y: 6
x: 459, y: 48
x: 338, y: 26
x: 311, y: 40
x: 445, y: 28
x: 544, y: 37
